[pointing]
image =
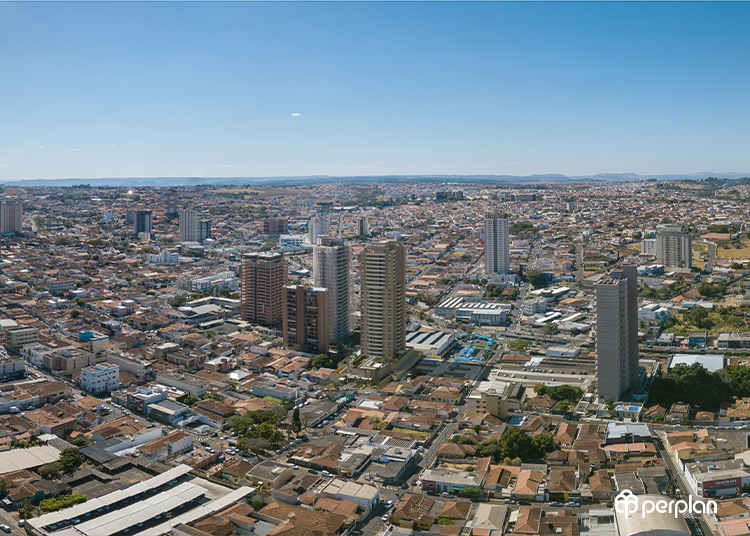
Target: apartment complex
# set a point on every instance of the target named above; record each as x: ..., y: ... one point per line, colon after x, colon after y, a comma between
x: 100, y: 378
x: 383, y: 298
x: 275, y: 226
x: 673, y: 247
x: 331, y: 268
x: 363, y: 229
x: 189, y: 231
x: 617, y: 333
x: 319, y: 224
x: 142, y: 222
x: 648, y: 246
x: 263, y: 278
x: 305, y: 318
x: 170, y: 202
x: 496, y: 244
x: 204, y: 230
x: 20, y: 336
x: 11, y: 218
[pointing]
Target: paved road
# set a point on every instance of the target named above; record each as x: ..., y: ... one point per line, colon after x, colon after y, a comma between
x: 710, y: 257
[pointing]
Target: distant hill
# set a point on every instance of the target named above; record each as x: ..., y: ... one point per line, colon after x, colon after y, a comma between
x: 487, y: 179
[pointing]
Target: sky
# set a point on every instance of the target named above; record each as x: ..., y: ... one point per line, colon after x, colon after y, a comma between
x: 259, y: 89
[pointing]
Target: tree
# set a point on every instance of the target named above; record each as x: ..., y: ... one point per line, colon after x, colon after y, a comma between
x: 544, y: 444
x: 49, y: 471
x: 4, y: 486
x: 471, y: 491
x: 70, y: 460
x: 536, y: 278
x: 321, y: 361
x: 296, y: 422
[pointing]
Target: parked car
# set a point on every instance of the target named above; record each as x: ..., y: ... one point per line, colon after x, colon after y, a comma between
x: 446, y: 495
x: 5, y: 528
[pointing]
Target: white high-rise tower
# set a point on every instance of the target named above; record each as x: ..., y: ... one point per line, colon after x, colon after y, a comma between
x: 496, y: 247
x: 331, y: 270
x: 189, y: 231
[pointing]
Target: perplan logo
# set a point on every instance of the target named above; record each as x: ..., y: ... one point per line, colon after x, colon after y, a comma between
x: 627, y: 503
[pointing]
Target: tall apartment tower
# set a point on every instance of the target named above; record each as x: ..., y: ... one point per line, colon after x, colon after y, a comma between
x: 275, y: 226
x: 142, y: 222
x: 648, y: 246
x: 383, y: 299
x: 170, y: 203
x: 305, y: 318
x: 363, y: 229
x: 617, y: 333
x: 331, y: 269
x: 11, y: 218
x: 189, y: 225
x: 496, y: 246
x: 673, y: 247
x: 204, y: 229
x: 319, y: 224
x: 263, y: 277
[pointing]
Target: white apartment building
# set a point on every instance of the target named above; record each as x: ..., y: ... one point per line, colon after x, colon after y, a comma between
x: 331, y: 270
x: 319, y: 224
x: 189, y: 231
x: 673, y: 247
x: 99, y: 378
x: 648, y: 246
x: 496, y: 244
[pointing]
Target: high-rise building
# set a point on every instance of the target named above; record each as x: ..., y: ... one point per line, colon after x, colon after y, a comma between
x: 11, y: 218
x: 263, y: 278
x: 170, y: 203
x: 617, y: 333
x: 305, y: 318
x: 142, y: 222
x: 204, y: 229
x: 331, y: 269
x: 496, y: 246
x: 383, y: 299
x: 673, y: 247
x: 648, y: 246
x: 319, y: 224
x: 363, y: 228
x: 189, y: 225
x: 275, y: 226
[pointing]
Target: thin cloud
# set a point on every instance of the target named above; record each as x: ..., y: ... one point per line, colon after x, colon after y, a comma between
x: 295, y: 114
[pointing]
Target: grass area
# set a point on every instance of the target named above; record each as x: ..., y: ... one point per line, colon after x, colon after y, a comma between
x: 700, y: 246
x: 734, y: 253
x: 720, y: 324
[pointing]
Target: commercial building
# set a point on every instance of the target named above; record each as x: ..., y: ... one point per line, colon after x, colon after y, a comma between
x: 673, y: 247
x: 305, y: 318
x: 11, y: 367
x: 170, y: 203
x: 142, y: 222
x: 20, y: 336
x: 275, y: 226
x: 617, y: 333
x: 449, y: 480
x: 319, y: 224
x: 11, y: 218
x: 189, y: 225
x: 331, y: 269
x: 363, y: 228
x: 100, y: 378
x: 184, y: 382
x: 365, y: 495
x: 717, y: 478
x: 204, y: 230
x: 56, y: 286
x: 496, y: 244
x: 132, y: 365
x: 639, y: 521
x: 263, y: 278
x: 383, y: 299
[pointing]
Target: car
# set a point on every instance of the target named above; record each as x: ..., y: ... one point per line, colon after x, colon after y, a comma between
x: 312, y: 471
x: 325, y: 473
x: 385, y: 518
x: 580, y: 378
x: 508, y: 501
x: 524, y: 502
x: 21, y: 522
x: 555, y: 504
x: 404, y: 485
x: 572, y: 504
x: 5, y: 528
x: 389, y: 504
x: 512, y: 375
x: 554, y: 379
x: 524, y: 376
x: 446, y: 495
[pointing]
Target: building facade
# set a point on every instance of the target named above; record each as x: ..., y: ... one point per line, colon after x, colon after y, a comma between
x: 383, y: 299
x: 305, y: 318
x: 170, y: 203
x: 189, y: 225
x: 496, y: 244
x: 617, y: 333
x: 264, y: 275
x: 11, y: 218
x: 363, y: 228
x: 319, y: 224
x: 142, y: 222
x: 275, y: 226
x: 100, y: 378
x: 331, y: 270
x: 204, y: 230
x: 648, y: 246
x: 673, y: 247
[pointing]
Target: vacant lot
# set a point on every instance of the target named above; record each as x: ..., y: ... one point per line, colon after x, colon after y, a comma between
x: 734, y: 253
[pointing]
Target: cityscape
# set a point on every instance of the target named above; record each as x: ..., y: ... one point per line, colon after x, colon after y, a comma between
x: 371, y: 358
x: 303, y: 268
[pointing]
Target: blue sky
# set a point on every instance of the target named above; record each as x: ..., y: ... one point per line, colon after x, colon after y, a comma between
x: 285, y: 89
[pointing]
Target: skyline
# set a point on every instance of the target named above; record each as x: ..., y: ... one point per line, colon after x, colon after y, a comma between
x: 302, y: 89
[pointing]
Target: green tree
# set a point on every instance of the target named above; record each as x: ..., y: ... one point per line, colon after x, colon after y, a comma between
x: 536, y: 278
x: 544, y: 444
x: 70, y: 460
x: 296, y: 422
x: 50, y: 470
x: 321, y: 361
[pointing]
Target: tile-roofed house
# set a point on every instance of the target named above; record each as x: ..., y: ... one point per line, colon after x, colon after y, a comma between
x: 600, y: 485
x: 413, y: 510
x: 528, y: 520
x: 455, y: 510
